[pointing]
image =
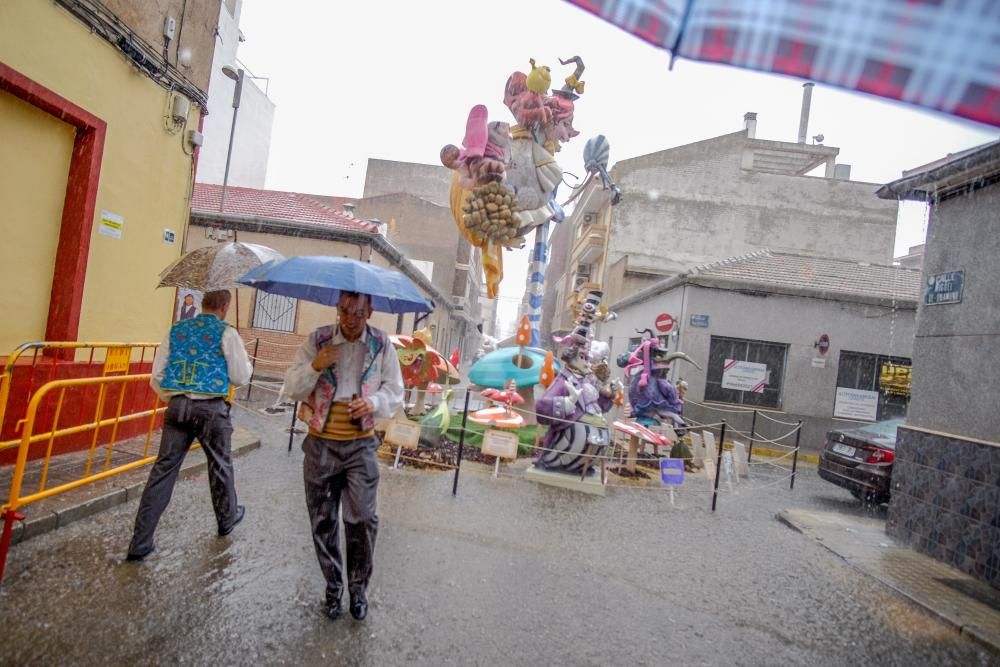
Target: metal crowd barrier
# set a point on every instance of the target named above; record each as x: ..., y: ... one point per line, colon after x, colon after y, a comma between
x: 34, y: 364
x: 19, y: 497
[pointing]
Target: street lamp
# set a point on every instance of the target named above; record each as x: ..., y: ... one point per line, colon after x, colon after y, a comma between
x: 236, y: 74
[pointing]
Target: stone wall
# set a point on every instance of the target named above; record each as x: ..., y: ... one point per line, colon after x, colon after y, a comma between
x: 946, y: 500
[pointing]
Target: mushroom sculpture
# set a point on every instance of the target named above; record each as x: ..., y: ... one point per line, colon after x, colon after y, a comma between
x: 508, y: 364
x: 502, y: 415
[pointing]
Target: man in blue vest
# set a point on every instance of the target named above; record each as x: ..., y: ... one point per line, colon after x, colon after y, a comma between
x: 345, y: 376
x: 192, y: 371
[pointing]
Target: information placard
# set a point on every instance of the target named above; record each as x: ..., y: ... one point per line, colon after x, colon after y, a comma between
x: 500, y: 443
x: 858, y: 404
x: 402, y: 433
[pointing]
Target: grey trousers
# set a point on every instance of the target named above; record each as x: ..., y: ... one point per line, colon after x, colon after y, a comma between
x: 187, y: 419
x: 329, y: 469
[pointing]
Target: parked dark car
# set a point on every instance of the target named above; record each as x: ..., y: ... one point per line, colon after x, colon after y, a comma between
x: 860, y: 459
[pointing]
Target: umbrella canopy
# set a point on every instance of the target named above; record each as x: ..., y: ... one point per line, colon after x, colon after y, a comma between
x: 421, y: 363
x: 940, y: 55
x: 216, y: 267
x: 321, y: 279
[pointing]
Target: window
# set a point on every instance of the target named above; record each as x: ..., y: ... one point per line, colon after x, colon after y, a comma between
x: 885, y: 375
x: 758, y: 382
x: 274, y: 312
x: 664, y: 341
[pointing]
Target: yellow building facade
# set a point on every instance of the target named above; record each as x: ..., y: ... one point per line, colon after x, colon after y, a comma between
x: 96, y: 168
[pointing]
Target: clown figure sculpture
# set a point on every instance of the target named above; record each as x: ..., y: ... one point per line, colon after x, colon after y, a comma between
x: 573, y: 406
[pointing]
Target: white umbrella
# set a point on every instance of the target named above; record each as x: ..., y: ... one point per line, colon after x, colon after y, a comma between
x: 216, y: 267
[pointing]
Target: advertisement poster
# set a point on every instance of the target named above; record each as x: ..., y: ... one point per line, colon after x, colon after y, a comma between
x: 188, y: 304
x: 894, y: 379
x: 744, y: 376
x: 857, y: 404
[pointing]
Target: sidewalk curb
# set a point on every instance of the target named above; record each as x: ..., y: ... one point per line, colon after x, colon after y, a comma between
x: 777, y: 454
x: 964, y: 624
x: 80, y: 503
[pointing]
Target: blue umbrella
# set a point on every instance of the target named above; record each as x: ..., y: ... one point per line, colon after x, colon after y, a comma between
x: 321, y: 280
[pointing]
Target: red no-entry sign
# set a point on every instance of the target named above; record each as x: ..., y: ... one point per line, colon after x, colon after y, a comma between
x: 664, y: 322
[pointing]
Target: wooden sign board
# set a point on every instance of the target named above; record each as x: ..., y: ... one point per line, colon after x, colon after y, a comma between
x: 500, y: 443
x: 402, y: 433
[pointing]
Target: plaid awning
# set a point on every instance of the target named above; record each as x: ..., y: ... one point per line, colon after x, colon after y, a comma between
x: 939, y: 54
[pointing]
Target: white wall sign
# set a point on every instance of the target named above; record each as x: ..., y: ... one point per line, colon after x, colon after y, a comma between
x: 856, y: 404
x: 111, y: 225
x: 819, y: 362
x: 744, y: 376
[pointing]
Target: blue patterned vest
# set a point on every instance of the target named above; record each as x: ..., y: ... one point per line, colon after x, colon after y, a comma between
x: 196, y: 362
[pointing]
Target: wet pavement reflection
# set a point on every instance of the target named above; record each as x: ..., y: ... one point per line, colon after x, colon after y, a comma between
x: 507, y: 572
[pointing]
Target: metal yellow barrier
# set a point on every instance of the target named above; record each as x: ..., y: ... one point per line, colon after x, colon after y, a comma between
x: 28, y: 437
x: 117, y: 358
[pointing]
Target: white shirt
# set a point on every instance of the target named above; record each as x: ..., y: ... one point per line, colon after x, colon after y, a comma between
x: 301, y: 377
x: 237, y: 364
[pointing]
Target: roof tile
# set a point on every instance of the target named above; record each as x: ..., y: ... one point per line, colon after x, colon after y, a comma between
x: 291, y: 206
x: 836, y: 276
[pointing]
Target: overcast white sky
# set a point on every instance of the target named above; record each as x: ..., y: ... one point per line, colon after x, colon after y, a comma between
x: 395, y: 79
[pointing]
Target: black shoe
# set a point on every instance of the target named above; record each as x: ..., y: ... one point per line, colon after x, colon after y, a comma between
x: 359, y: 606
x: 332, y: 608
x: 136, y: 558
x: 240, y: 512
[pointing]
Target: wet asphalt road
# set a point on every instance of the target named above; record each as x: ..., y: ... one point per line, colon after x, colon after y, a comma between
x: 507, y: 572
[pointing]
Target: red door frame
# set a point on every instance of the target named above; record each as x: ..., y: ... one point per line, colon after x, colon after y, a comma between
x: 70, y: 272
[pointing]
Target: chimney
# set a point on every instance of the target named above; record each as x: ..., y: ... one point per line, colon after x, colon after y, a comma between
x: 807, y: 93
x: 349, y: 209
x: 750, y: 123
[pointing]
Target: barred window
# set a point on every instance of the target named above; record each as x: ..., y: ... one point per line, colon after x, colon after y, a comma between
x: 719, y: 380
x: 664, y: 341
x: 887, y: 375
x: 274, y: 312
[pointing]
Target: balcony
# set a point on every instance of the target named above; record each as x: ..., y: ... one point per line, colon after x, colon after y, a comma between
x: 589, y: 247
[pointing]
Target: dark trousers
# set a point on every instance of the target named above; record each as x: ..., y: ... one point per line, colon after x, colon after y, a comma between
x: 186, y: 419
x: 329, y: 469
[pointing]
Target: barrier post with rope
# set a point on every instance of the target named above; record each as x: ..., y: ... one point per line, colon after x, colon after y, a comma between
x: 718, y: 463
x: 253, y: 367
x: 795, y: 456
x: 753, y: 431
x: 461, y: 443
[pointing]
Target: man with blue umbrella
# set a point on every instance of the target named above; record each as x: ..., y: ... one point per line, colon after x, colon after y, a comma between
x: 345, y: 375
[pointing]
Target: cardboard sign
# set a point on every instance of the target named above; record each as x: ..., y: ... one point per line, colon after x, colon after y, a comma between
x: 402, y: 433
x: 710, y: 452
x: 500, y: 443
x: 740, y: 458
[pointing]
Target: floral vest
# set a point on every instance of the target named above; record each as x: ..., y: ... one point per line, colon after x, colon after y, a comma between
x: 316, y: 409
x: 196, y: 363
